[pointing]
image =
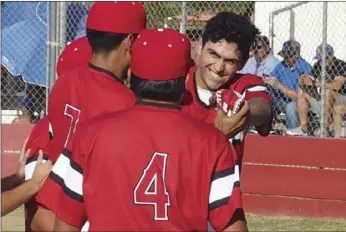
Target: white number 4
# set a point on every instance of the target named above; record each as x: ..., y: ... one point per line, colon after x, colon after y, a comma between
x: 151, y: 188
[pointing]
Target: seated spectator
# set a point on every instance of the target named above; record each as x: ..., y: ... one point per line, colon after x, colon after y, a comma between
x: 261, y: 61
x: 309, y: 96
x: 339, y: 114
x: 283, y: 82
x: 23, y: 119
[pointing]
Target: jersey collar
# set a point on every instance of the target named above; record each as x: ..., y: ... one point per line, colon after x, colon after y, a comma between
x: 99, y: 69
x: 156, y: 104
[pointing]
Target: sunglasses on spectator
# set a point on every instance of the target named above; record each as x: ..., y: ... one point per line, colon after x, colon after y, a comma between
x: 258, y: 47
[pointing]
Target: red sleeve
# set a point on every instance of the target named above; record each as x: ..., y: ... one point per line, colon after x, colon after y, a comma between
x: 253, y: 85
x: 67, y: 175
x: 38, y: 139
x: 225, y: 196
x: 63, y: 113
x: 63, y: 119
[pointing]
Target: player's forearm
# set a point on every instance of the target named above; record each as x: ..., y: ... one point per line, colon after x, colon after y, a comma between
x: 9, y: 182
x: 14, y: 198
x: 42, y: 220
x: 63, y: 226
x: 238, y: 222
x: 261, y: 115
x: 237, y: 227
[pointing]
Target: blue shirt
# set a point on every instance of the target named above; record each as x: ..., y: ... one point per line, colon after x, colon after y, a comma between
x: 289, y: 76
x: 259, y: 68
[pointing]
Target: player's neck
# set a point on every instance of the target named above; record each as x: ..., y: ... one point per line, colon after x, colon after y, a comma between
x: 159, y: 102
x: 104, y: 62
x: 199, y: 82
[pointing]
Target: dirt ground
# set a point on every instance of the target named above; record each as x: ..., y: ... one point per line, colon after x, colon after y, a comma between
x: 15, y: 222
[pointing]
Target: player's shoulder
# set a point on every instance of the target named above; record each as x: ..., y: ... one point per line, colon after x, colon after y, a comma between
x: 196, y: 127
x: 73, y: 73
x: 240, y: 81
x: 247, y: 78
x: 102, y: 121
x: 39, y: 137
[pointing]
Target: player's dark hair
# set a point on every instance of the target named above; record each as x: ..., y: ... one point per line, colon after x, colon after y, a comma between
x: 101, y: 41
x: 233, y: 28
x: 170, y: 91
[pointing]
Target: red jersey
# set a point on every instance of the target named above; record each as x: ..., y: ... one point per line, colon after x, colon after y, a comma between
x: 196, y: 106
x: 38, y: 139
x: 77, y: 95
x: 149, y: 168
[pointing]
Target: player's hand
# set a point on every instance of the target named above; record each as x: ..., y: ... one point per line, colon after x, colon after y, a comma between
x: 22, y: 161
x: 230, y: 126
x: 42, y: 170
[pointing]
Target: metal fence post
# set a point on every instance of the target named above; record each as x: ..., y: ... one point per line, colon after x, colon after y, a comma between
x: 51, y: 47
x: 271, y: 31
x: 62, y: 21
x: 323, y: 66
x: 183, y: 21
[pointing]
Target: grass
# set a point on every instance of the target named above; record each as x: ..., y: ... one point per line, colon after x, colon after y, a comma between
x: 15, y: 222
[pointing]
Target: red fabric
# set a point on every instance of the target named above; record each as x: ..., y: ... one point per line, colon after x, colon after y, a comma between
x: 38, y: 139
x: 160, y: 55
x: 78, y: 95
x: 239, y: 83
x: 118, y: 168
x: 77, y: 53
x: 117, y: 17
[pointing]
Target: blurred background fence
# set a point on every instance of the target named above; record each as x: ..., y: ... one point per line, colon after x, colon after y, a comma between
x: 34, y: 33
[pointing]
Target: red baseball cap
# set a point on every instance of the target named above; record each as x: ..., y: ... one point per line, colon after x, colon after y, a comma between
x: 77, y: 53
x: 160, y: 55
x: 117, y: 17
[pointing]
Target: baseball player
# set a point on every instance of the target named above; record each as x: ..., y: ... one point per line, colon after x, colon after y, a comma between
x: 88, y: 91
x: 151, y: 167
x: 226, y: 42
x: 37, y: 218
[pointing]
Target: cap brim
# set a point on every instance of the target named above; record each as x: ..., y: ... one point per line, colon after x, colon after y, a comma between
x: 281, y: 53
x: 318, y: 57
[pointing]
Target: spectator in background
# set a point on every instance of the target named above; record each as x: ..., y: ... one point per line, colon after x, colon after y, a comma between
x: 261, y: 61
x: 339, y: 114
x: 283, y: 82
x: 309, y: 98
x: 23, y: 119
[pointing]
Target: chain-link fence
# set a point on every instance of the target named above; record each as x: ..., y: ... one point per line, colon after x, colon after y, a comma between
x: 306, y: 70
x: 293, y: 29
x: 29, y: 48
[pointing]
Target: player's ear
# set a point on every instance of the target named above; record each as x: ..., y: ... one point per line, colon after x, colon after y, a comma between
x: 130, y: 39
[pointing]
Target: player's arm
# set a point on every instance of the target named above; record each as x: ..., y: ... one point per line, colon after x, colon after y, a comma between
x: 261, y: 112
x: 37, y: 218
x: 10, y: 182
x: 14, y: 198
x: 225, y: 200
x: 63, y: 118
x: 60, y: 225
x: 69, y: 174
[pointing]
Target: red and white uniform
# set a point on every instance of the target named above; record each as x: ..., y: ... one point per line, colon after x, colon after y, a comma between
x: 38, y: 139
x: 196, y: 100
x: 150, y: 167
x: 75, y: 54
x: 86, y: 92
